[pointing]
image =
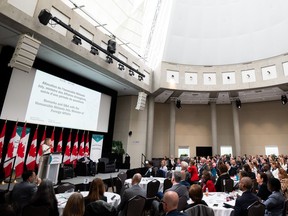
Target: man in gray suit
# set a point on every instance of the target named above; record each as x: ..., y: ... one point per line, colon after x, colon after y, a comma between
x: 180, y: 189
x: 131, y: 192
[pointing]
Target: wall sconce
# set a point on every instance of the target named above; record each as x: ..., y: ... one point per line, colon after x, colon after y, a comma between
x: 131, y: 73
x: 76, y: 40
x: 283, y: 99
x: 94, y: 51
x: 238, y: 103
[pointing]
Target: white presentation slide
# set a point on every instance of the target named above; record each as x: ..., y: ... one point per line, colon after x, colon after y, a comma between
x: 57, y: 102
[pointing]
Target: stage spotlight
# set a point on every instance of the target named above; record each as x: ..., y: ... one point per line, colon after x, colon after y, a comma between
x: 109, y: 60
x: 121, y: 67
x: 178, y: 104
x: 131, y: 72
x: 44, y: 16
x: 76, y: 40
x: 94, y: 51
x: 283, y: 99
x: 111, y: 47
x: 238, y: 103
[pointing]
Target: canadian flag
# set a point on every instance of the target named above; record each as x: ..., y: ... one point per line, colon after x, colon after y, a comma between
x: 74, y: 150
x: 31, y: 157
x: 59, y: 145
x: 52, y: 140
x: 20, y: 153
x: 2, y: 137
x: 8, y: 165
x: 81, y: 148
x: 86, y: 149
x: 66, y: 159
x: 40, y: 151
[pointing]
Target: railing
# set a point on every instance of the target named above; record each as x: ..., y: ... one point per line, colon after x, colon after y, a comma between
x: 143, y: 159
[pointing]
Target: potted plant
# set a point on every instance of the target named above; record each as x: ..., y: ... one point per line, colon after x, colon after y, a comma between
x: 118, y: 152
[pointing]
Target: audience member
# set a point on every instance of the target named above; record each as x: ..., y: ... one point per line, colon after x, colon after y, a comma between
x: 96, y: 192
x: 181, y: 190
x: 247, y: 168
x: 150, y: 169
x: 203, y: 166
x: 184, y: 179
x: 131, y: 192
x: 170, y: 204
x: 275, y: 169
x: 45, y: 196
x: 207, y: 182
x: 23, y: 192
x: 283, y: 177
x: 74, y: 206
x: 266, y: 169
x: 246, y: 199
x: 223, y: 175
x: 263, y: 191
x: 275, y: 202
x: 196, y: 195
x: 192, y: 169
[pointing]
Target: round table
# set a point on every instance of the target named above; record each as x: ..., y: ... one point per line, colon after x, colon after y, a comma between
x: 112, y: 198
x: 145, y: 180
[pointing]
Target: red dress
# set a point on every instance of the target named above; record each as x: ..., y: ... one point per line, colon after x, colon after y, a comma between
x: 194, y: 173
x: 210, y: 185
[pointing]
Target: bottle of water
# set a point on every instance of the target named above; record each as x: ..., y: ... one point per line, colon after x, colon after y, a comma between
x: 207, y: 191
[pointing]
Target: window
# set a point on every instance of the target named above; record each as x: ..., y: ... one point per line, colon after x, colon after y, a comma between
x: 226, y: 150
x: 269, y: 150
x: 184, y: 150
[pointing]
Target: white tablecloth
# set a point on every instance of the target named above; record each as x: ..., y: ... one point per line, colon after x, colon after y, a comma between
x: 145, y: 181
x: 63, y: 197
x: 215, y: 201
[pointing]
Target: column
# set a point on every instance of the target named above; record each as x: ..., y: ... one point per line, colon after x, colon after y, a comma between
x: 150, y: 127
x: 172, y: 130
x: 236, y: 129
x: 214, y: 128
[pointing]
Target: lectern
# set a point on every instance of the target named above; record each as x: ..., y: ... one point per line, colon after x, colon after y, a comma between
x: 49, y: 166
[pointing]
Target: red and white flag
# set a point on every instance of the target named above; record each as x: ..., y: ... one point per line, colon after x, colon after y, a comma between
x: 8, y: 165
x: 66, y: 159
x: 81, y: 148
x: 52, y: 140
x: 86, y: 149
x: 59, y: 145
x: 74, y: 152
x: 19, y: 164
x: 2, y: 137
x: 31, y: 157
x: 40, y: 150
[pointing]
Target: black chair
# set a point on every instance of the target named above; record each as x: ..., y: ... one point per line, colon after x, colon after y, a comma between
x: 100, y: 207
x: 200, y: 210
x: 182, y: 203
x: 167, y: 184
x: 106, y: 166
x: 152, y: 188
x: 148, y: 204
x: 119, y: 186
x: 31, y: 210
x: 256, y: 208
x: 123, y: 176
x: 285, y: 211
x: 65, y: 187
x: 135, y: 206
x: 227, y: 185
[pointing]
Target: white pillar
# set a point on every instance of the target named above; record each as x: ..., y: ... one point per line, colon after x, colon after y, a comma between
x: 236, y: 129
x: 150, y: 127
x: 214, y: 128
x: 172, y: 130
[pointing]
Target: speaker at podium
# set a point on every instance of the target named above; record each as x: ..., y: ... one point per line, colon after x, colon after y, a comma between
x: 49, y: 166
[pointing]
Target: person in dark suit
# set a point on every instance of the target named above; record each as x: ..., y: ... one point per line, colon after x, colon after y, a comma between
x: 23, y: 192
x: 87, y: 160
x: 246, y: 199
x: 223, y: 175
x: 180, y: 189
x: 170, y: 204
x: 263, y: 191
x: 131, y: 192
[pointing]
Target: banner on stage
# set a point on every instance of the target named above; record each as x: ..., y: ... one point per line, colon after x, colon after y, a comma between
x: 96, y: 147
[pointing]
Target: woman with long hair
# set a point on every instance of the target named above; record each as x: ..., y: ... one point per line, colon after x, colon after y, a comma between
x: 74, y: 206
x: 263, y: 191
x: 96, y: 191
x: 45, y: 196
x: 207, y: 182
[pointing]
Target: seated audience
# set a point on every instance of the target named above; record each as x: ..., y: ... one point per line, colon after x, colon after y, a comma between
x: 275, y: 169
x: 45, y: 196
x: 181, y: 190
x: 184, y: 179
x: 170, y: 204
x: 87, y: 160
x: 96, y: 192
x: 241, y: 174
x: 223, y: 175
x: 246, y: 199
x: 196, y: 195
x: 263, y: 191
x: 192, y: 169
x: 247, y: 168
x: 23, y: 192
x: 283, y: 177
x: 74, y: 206
x: 151, y: 170
x: 276, y: 201
x: 131, y: 192
x: 207, y: 182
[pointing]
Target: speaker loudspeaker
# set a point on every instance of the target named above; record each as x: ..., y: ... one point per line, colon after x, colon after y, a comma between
x: 141, y: 102
x: 25, y: 53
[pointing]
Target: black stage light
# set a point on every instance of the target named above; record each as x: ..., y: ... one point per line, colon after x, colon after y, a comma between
x: 238, y: 103
x: 76, y: 40
x: 94, y: 51
x: 111, y: 47
x: 283, y: 99
x: 44, y: 16
x: 178, y: 103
